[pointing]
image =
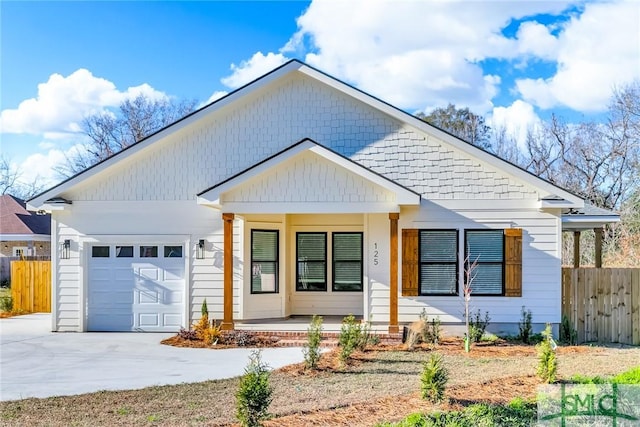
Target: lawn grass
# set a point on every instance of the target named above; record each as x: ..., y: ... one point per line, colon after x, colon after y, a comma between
x: 347, y: 396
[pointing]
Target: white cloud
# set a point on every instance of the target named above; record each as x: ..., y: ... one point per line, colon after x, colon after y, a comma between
x: 416, y: 55
x: 253, y: 68
x: 62, y: 103
x: 536, y: 40
x: 41, y: 166
x: 597, y: 50
x: 214, y: 97
x: 516, y: 120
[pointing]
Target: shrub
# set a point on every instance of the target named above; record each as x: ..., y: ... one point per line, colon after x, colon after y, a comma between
x: 547, y: 362
x: 312, y: 347
x: 568, y: 335
x: 188, y: 334
x: 204, y: 310
x: 353, y: 336
x: 478, y: 325
x: 254, y: 393
x: 431, y: 328
x: 239, y: 338
x: 209, y: 332
x: 6, y: 304
x: 632, y: 376
x: 434, y: 379
x: 525, y: 326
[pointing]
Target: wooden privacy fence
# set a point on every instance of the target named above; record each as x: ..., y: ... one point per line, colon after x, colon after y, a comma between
x: 603, y: 304
x: 31, y: 286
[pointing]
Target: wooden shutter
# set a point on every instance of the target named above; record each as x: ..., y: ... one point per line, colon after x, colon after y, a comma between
x: 513, y: 262
x: 410, y: 262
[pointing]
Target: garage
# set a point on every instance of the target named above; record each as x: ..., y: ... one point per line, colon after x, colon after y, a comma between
x: 135, y: 287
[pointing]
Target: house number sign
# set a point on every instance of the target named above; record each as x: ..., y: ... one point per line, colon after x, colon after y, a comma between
x: 375, y: 254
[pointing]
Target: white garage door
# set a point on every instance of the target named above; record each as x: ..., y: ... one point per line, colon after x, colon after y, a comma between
x: 136, y: 288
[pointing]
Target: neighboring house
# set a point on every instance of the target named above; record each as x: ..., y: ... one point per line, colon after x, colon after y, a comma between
x: 22, y: 232
x: 298, y: 194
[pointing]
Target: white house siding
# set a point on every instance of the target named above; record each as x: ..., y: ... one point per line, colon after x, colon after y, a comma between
x: 309, y: 178
x: 258, y: 126
x: 540, y: 261
x: 186, y: 222
x: 126, y: 197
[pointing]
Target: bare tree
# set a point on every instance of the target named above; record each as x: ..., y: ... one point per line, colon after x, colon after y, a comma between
x: 108, y: 132
x: 10, y: 182
x: 462, y: 123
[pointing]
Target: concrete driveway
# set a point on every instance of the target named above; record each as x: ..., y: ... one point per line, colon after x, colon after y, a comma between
x: 37, y: 363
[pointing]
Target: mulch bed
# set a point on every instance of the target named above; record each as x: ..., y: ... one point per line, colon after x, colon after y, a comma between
x: 395, y: 408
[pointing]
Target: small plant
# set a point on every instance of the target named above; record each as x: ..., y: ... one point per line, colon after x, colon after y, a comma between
x: 431, y: 330
x: 204, y: 310
x: 547, y: 362
x: 351, y: 337
x: 434, y: 379
x: 478, y: 325
x: 188, y: 334
x: 312, y: 347
x: 568, y: 335
x: 239, y: 338
x: 254, y: 393
x: 525, y: 326
x: 6, y: 304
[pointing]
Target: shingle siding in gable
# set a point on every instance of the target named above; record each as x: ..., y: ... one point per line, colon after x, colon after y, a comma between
x: 265, y: 123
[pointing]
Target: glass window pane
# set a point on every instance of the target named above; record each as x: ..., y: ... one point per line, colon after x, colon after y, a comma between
x: 438, y: 246
x: 264, y: 276
x: 438, y: 279
x: 312, y: 276
x: 312, y: 246
x: 148, y: 251
x: 100, y: 251
x: 124, y: 251
x: 487, y: 279
x: 264, y: 261
x: 173, y: 251
x: 485, y: 246
x: 347, y: 276
x: 347, y: 246
x: 264, y: 245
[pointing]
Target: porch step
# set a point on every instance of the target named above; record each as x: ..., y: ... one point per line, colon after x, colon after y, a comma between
x: 328, y: 339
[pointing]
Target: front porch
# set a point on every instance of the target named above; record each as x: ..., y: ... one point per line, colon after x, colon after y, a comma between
x: 309, y: 232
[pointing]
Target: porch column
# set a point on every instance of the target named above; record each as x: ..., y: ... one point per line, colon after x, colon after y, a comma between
x: 576, y: 249
x: 227, y: 320
x: 393, y: 273
x: 598, y: 232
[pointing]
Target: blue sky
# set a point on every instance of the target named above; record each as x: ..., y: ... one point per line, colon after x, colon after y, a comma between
x: 513, y: 62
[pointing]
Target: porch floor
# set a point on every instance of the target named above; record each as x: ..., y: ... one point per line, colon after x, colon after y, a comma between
x: 301, y: 324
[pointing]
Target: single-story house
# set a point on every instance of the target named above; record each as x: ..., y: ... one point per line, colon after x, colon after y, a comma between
x: 23, y: 233
x: 298, y: 194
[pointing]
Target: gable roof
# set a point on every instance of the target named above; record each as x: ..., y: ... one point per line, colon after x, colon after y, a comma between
x: 16, y: 219
x: 212, y: 195
x: 565, y: 198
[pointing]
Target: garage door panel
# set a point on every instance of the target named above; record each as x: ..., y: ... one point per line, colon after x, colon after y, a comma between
x: 133, y: 293
x: 111, y: 322
x: 151, y: 320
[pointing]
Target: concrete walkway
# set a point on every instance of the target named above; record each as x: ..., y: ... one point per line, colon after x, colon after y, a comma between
x: 38, y: 363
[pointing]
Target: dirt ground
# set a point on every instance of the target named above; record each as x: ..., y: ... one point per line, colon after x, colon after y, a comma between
x: 380, y: 385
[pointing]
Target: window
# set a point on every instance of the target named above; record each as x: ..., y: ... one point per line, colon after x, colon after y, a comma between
x: 486, y: 248
x: 347, y: 262
x: 264, y: 261
x: 173, y: 251
x: 438, y: 255
x: 100, y: 251
x: 19, y: 251
x: 148, y: 251
x: 124, y: 251
x: 311, y: 267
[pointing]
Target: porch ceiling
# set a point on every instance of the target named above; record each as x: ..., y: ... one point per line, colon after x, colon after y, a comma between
x: 308, y: 178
